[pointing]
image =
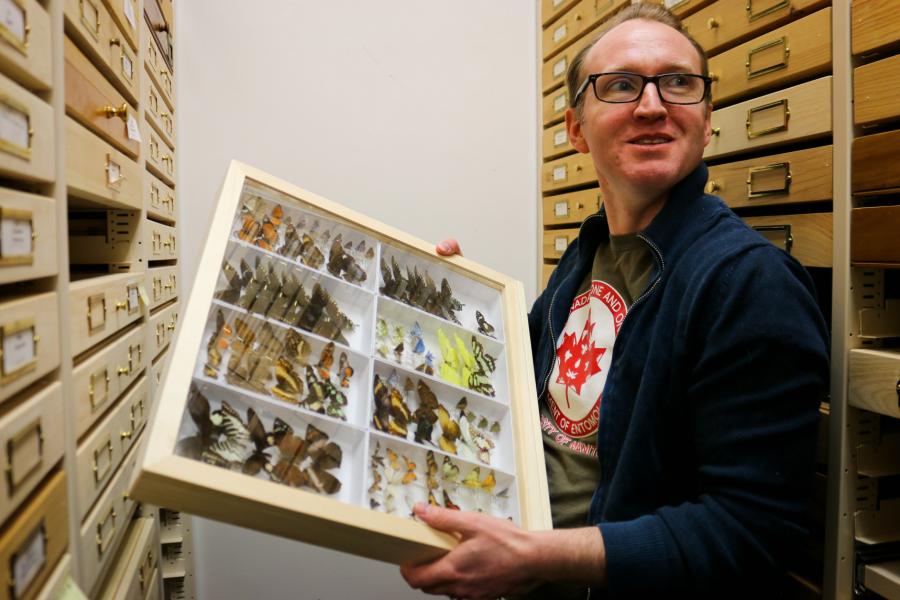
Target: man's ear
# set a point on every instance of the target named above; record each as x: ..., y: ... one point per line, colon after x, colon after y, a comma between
x: 707, y: 130
x: 573, y: 128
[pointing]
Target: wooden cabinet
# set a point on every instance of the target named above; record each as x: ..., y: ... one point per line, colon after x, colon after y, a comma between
x: 556, y: 142
x: 806, y: 237
x: 554, y: 106
x: 557, y: 240
x: 27, y: 139
x: 162, y: 328
x: 25, y: 48
x: 101, y: 306
x: 875, y: 381
x: 28, y: 239
x: 552, y: 9
x: 159, y: 198
x: 874, y: 234
x: 137, y: 570
x: 568, y: 172
x: 98, y: 172
x: 571, y: 208
x: 876, y: 87
x: 29, y: 341
x: 161, y: 241
x: 875, y: 26
x: 554, y: 69
x: 581, y: 18
x: 159, y: 156
x: 163, y: 284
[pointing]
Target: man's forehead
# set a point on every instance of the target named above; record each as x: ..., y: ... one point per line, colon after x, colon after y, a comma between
x: 628, y: 44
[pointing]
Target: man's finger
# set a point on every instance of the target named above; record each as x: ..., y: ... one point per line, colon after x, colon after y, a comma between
x: 445, y: 519
x: 448, y: 247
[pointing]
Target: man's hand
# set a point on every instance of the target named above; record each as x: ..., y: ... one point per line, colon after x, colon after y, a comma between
x: 494, y: 556
x: 448, y: 247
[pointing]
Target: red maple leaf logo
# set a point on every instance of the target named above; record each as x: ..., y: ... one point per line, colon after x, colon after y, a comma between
x: 578, y: 360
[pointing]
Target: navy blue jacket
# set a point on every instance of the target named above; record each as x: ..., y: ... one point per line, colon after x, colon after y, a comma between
x: 708, y: 418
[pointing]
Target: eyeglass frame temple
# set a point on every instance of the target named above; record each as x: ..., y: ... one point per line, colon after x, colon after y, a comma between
x: 645, y: 79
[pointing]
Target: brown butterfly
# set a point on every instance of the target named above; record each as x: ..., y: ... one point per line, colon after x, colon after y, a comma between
x: 326, y: 360
x: 345, y: 371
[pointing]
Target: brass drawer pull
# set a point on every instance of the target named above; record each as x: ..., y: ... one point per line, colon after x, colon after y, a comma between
x: 783, y: 103
x: 751, y: 16
x: 780, y: 235
x: 17, y: 37
x: 753, y: 73
x: 712, y: 23
x: 92, y: 24
x: 126, y: 435
x: 95, y: 398
x: 32, y: 431
x: 111, y: 112
x: 103, y: 544
x: 95, y: 465
x: 785, y: 188
x: 712, y: 186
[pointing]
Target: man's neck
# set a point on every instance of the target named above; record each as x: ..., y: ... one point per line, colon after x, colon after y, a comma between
x: 630, y: 212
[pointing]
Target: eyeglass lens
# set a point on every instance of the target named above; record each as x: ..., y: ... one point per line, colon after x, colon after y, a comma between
x: 675, y: 88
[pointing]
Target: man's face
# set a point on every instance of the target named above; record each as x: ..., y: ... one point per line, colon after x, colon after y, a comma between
x: 641, y: 149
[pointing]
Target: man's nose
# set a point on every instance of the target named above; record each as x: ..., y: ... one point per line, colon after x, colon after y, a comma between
x: 650, y: 105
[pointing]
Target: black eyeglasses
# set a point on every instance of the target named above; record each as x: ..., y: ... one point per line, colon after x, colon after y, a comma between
x: 620, y: 87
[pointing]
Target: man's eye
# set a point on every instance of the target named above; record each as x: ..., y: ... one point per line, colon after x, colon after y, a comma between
x: 621, y: 85
x: 679, y: 81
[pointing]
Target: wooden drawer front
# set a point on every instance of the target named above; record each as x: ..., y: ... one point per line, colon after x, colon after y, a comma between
x: 101, y: 306
x: 875, y: 24
x: 95, y: 103
x: 569, y: 27
x: 875, y: 235
x: 875, y: 381
x: 727, y: 22
x: 552, y: 9
x: 876, y: 88
x: 682, y: 8
x: 806, y: 237
x: 163, y: 285
x: 557, y: 240
x: 100, y: 453
x: 875, y: 159
x: 546, y: 271
x: 101, y: 379
x: 157, y: 68
x: 125, y: 14
x: 137, y: 567
x: 27, y: 236
x: 160, y: 198
x: 792, y: 177
x: 797, y: 113
x: 571, y: 208
x: 567, y: 172
x: 97, y: 171
x: 159, y: 17
x: 556, y: 142
x: 796, y: 51
x: 162, y: 328
x: 29, y: 341
x: 31, y: 443
x: 161, y: 241
x: 158, y: 113
x: 27, y: 145
x: 25, y: 44
x: 106, y: 524
x: 555, y: 105
x: 34, y: 541
x: 158, y: 371
x: 94, y: 30
x: 160, y: 158
x: 553, y: 73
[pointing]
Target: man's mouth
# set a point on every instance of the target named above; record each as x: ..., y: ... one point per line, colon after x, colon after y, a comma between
x: 651, y: 140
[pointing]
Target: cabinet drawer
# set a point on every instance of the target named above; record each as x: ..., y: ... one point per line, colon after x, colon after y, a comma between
x: 159, y: 198
x: 788, y: 54
x: 97, y: 171
x: 125, y: 14
x: 160, y: 158
x: 25, y: 43
x: 27, y: 145
x: 557, y: 240
x: 875, y: 24
x: 791, y: 115
x: 875, y: 381
x: 57, y: 581
x: 555, y: 142
x: 156, y: 67
x: 100, y: 379
x: 106, y: 524
x: 95, y: 103
x: 552, y: 9
x: 805, y: 237
x: 555, y: 105
x: 158, y: 113
x: 682, y: 8
x: 160, y: 241
x: 27, y: 236
x: 546, y: 271
x: 90, y: 25
x: 29, y: 341
x: 101, y: 306
x: 553, y: 73
x: 727, y: 22
x: 578, y: 20
x: 158, y: 371
x: 571, y: 208
x: 567, y: 172
x: 875, y: 159
x: 34, y: 541
x: 100, y: 453
x: 876, y: 87
x: 162, y: 328
x: 792, y: 177
x: 137, y: 567
x: 874, y: 235
x: 31, y: 443
x: 163, y: 282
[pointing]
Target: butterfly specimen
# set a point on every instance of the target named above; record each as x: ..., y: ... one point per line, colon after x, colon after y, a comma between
x: 483, y: 326
x: 485, y: 364
x: 305, y: 462
x: 326, y: 360
x: 341, y: 262
x: 425, y: 415
x: 449, y: 471
x: 448, y: 503
x: 345, y: 371
x: 432, y: 471
x: 418, y: 289
x: 475, y: 441
x: 449, y: 430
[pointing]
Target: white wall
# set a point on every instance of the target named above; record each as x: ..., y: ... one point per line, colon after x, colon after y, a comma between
x: 419, y: 113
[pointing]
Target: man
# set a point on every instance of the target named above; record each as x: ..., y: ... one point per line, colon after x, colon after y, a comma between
x: 688, y: 447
